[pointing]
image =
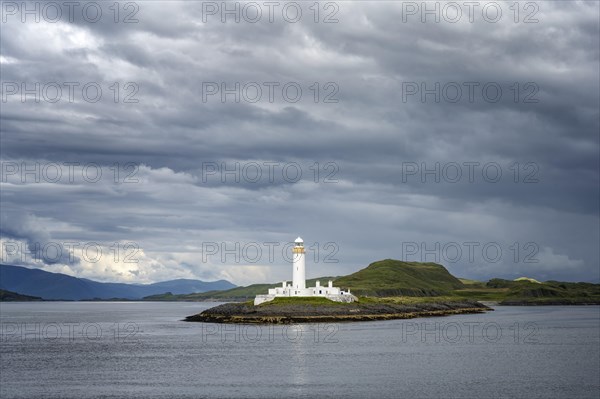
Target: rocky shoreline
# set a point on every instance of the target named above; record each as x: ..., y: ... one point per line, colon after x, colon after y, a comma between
x: 246, y: 313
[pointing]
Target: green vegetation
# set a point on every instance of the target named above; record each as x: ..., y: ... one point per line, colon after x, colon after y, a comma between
x: 314, y: 301
x: 409, y: 300
x: 472, y: 283
x: 234, y: 294
x: 6, y: 296
x: 527, y: 291
x: 395, y: 282
x: 482, y: 294
x: 391, y: 277
x: 397, y: 300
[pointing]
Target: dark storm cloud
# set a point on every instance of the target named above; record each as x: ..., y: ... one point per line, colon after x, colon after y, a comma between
x: 373, y: 135
x: 17, y: 225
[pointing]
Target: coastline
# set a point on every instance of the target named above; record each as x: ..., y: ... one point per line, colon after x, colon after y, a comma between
x: 550, y: 302
x: 244, y: 313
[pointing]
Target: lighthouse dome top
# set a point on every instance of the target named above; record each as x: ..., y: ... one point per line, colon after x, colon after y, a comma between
x: 299, y: 240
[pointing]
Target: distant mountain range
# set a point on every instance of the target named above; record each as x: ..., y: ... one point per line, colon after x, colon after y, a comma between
x: 384, y: 278
x: 55, y: 286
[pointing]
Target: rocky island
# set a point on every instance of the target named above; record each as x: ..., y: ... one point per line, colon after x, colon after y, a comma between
x: 386, y: 289
x: 321, y: 310
x: 296, y: 303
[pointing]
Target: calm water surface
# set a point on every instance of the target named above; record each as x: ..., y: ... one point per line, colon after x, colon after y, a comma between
x: 143, y: 350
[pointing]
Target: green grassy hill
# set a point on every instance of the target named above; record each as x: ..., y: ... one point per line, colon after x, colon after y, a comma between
x: 391, y: 277
x: 528, y: 291
x: 472, y: 283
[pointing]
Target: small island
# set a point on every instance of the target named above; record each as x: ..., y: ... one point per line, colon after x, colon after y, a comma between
x: 295, y: 303
x: 322, y: 310
x: 384, y: 290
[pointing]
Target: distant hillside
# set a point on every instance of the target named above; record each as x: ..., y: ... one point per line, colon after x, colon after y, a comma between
x: 472, y: 283
x: 39, y: 283
x: 9, y: 296
x: 532, y: 280
x: 394, y: 278
x: 528, y: 291
x: 391, y: 277
x: 234, y: 294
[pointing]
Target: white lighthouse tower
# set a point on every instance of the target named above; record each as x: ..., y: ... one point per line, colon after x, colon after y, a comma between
x: 298, y: 265
x: 298, y: 286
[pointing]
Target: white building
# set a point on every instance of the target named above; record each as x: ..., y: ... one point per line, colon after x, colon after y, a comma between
x: 298, y: 286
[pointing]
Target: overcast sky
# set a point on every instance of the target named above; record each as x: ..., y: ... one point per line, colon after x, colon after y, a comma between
x: 496, y: 177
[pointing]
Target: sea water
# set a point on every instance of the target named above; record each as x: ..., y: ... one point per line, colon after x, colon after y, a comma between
x: 144, y: 350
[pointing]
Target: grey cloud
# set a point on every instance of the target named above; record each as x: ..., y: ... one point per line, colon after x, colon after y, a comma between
x: 369, y: 134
